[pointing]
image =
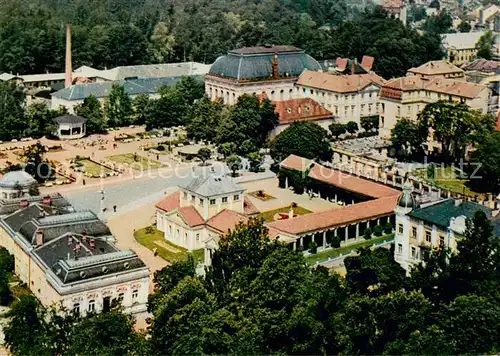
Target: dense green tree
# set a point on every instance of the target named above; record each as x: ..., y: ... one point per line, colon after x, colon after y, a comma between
x: 140, y: 104
x: 464, y: 26
x: 487, y: 153
x: 167, y: 111
x: 439, y: 23
x: 408, y: 138
x: 304, y: 139
x: 485, y: 45
x: 337, y: 129
x: 351, y: 127
x: 369, y: 123
x: 234, y: 164
x: 190, y: 89
x: 91, y: 109
x: 39, y: 120
x: 227, y: 149
x: 162, y: 43
x: 455, y: 126
x: 118, y: 107
x: 13, y: 123
x: 36, y: 164
x: 255, y: 159
x: 204, y: 154
x: 204, y: 119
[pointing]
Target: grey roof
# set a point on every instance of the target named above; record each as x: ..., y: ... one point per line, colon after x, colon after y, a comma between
x: 407, y: 199
x: 70, y: 119
x: 72, y: 265
x: 208, y: 185
x: 441, y: 213
x: 157, y: 70
x: 131, y: 86
x: 15, y: 179
x: 56, y: 201
x: 255, y: 63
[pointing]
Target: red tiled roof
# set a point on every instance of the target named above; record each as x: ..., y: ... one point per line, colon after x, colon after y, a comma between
x: 296, y: 162
x: 393, y: 4
x: 248, y: 207
x: 352, y: 183
x: 336, y: 217
x: 303, y: 109
x: 438, y: 85
x: 226, y: 220
x: 191, y: 216
x: 341, y: 63
x: 367, y: 62
x: 170, y: 202
x: 339, y: 83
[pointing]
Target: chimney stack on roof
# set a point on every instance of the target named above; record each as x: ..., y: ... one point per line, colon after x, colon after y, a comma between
x: 69, y: 69
x: 275, y: 67
x: 39, y: 238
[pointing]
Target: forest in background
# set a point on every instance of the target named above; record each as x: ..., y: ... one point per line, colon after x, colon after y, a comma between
x: 112, y: 33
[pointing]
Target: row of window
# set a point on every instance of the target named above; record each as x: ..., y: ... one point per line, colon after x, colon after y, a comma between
x: 201, y: 201
x: 91, y: 307
x: 337, y: 96
x: 414, y: 234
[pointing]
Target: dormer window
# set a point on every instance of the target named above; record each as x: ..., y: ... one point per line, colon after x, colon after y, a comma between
x: 185, y: 196
x: 289, y: 110
x: 224, y: 199
x: 236, y: 197
x: 212, y: 201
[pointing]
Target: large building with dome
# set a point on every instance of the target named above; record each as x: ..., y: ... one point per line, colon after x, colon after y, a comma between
x: 254, y: 70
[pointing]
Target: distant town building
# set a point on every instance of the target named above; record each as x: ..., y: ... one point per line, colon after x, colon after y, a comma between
x: 423, y: 227
x: 348, y: 97
x: 438, y: 69
x: 461, y: 48
x: 488, y: 17
x: 396, y: 8
x: 76, y: 94
x: 87, y: 74
x: 405, y: 97
x: 480, y: 69
x: 67, y: 257
x: 253, y: 70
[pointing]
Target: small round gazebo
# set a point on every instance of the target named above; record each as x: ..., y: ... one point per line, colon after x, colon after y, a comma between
x: 70, y: 127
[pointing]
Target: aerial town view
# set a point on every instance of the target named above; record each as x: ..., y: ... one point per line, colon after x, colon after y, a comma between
x: 303, y: 177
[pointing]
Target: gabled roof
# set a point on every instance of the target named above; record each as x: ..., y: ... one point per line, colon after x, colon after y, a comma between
x: 226, y: 220
x: 191, y: 216
x: 170, y: 202
x: 461, y: 40
x: 296, y: 162
x: 436, y: 84
x: 209, y: 185
x: 351, y: 183
x: 436, y: 68
x: 482, y: 65
x: 303, y: 109
x: 338, y: 217
x: 339, y: 83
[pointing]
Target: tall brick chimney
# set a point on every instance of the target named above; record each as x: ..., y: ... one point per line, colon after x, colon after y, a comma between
x: 69, y: 69
x: 276, y: 73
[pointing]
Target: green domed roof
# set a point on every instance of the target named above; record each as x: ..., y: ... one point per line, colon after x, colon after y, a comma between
x: 256, y: 63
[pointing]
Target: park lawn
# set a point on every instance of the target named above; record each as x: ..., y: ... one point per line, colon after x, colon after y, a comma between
x: 148, y: 238
x: 268, y: 216
x: 446, y: 177
x: 93, y: 168
x: 332, y: 253
x: 139, y: 163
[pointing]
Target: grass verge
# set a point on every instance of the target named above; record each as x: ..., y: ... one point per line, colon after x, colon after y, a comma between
x: 324, y: 255
x: 136, y: 162
x: 150, y: 237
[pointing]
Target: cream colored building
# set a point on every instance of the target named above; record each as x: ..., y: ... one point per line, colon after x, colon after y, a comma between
x: 253, y: 70
x: 347, y: 97
x: 396, y: 8
x: 68, y: 258
x: 422, y: 228
x: 461, y: 47
x: 207, y: 207
x: 405, y: 97
x: 438, y: 69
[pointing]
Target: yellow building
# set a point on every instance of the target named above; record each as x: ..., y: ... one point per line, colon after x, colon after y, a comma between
x: 405, y: 97
x: 196, y: 215
x: 68, y: 258
x: 461, y: 47
x: 438, y: 69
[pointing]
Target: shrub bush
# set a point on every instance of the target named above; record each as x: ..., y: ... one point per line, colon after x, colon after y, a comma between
x: 388, y: 228
x: 313, y: 247
x: 378, y: 230
x: 367, y: 234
